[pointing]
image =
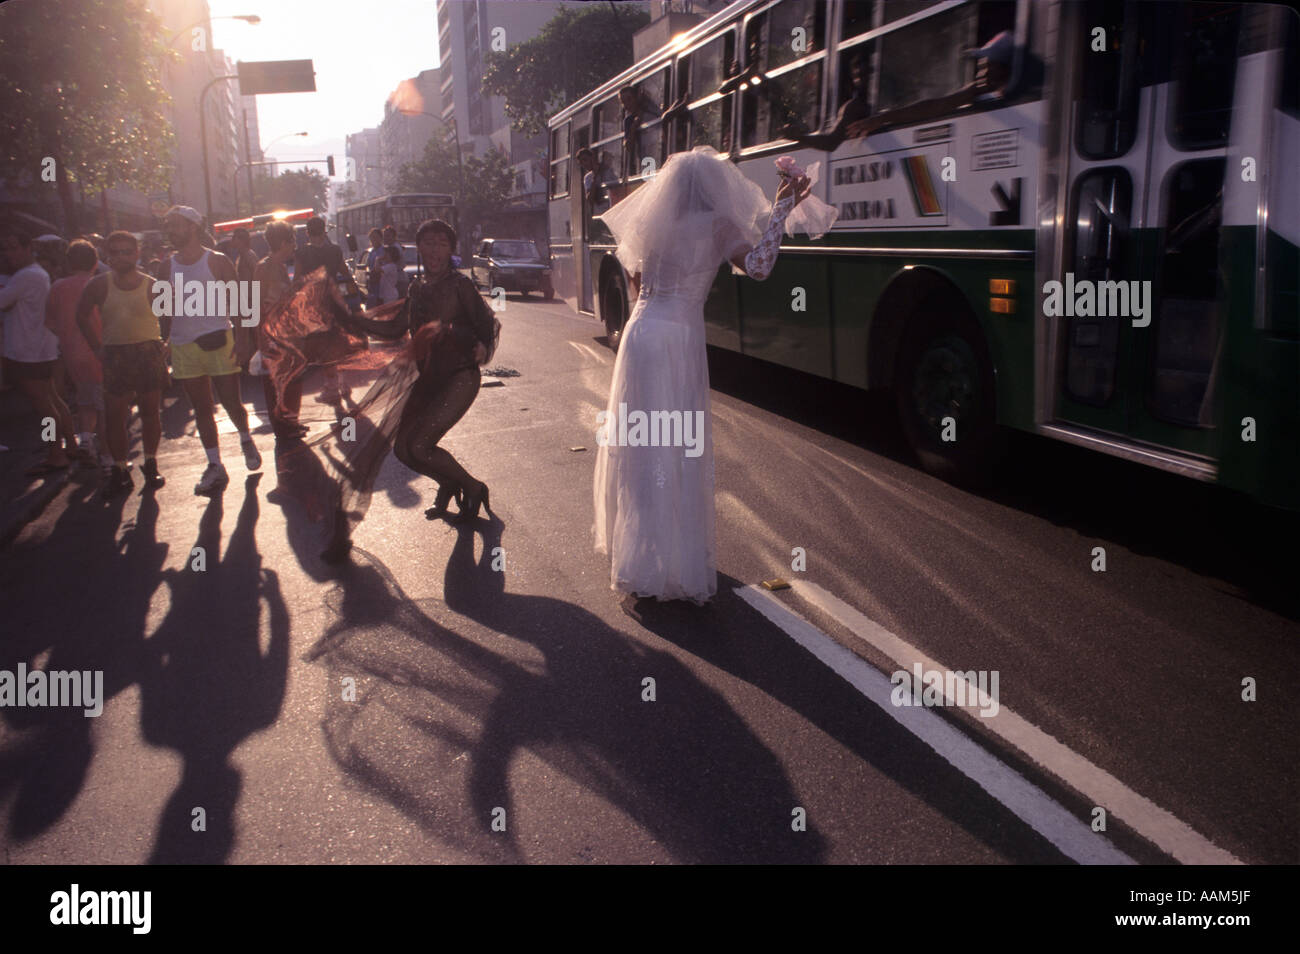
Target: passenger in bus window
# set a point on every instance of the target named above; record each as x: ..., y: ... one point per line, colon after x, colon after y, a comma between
x: 854, y: 110
x: 993, y: 63
x: 637, y: 107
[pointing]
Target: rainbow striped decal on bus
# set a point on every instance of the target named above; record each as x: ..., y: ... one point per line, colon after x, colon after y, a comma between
x: 924, y: 195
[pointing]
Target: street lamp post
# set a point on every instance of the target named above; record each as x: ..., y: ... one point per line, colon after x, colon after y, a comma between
x: 250, y: 18
x: 203, y: 140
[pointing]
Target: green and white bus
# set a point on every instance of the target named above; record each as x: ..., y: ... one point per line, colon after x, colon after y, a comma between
x: 1100, y: 246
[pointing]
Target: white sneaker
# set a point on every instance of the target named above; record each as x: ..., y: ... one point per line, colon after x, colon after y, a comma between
x: 252, y: 459
x: 213, y: 479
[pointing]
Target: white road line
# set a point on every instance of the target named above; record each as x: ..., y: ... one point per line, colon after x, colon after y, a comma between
x: 1046, y: 816
x: 1151, y: 821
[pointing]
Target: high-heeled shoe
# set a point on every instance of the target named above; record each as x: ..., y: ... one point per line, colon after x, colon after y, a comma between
x: 469, y: 509
x: 446, y: 493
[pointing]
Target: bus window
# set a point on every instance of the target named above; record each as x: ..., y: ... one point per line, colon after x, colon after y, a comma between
x: 1204, y: 74
x: 863, y: 15
x: 559, y: 180
x: 711, y: 125
x: 652, y: 91
x: 709, y: 65
x: 937, y: 42
x: 1187, y: 319
x: 1107, y: 115
x: 791, y: 99
x: 706, y: 68
x: 1100, y: 213
x: 607, y: 119
x: 780, y: 35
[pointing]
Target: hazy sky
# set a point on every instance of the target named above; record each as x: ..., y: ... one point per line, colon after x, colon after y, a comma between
x: 361, y: 51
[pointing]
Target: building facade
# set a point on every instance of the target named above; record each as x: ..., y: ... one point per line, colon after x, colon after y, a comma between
x: 412, y: 115
x: 467, y: 31
x: 364, y: 167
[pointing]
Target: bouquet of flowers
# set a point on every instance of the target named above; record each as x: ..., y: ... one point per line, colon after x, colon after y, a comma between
x: 811, y: 216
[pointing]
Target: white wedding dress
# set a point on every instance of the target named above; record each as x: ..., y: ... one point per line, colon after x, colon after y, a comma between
x: 654, y: 504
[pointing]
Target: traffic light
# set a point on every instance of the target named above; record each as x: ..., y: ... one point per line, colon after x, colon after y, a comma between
x: 329, y: 164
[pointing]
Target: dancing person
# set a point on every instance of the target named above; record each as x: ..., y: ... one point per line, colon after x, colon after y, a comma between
x: 129, y: 340
x: 419, y: 397
x: 654, y: 493
x: 31, y: 350
x: 272, y: 276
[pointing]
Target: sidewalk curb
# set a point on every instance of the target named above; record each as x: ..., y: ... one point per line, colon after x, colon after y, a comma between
x: 13, y: 520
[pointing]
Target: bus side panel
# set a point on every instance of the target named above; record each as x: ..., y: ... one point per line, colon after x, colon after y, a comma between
x: 1261, y: 376
x: 787, y: 316
x: 1264, y: 387
x: 722, y: 312
x: 855, y: 287
x: 563, y: 273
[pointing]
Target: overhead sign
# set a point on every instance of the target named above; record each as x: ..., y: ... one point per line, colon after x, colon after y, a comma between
x: 276, y: 76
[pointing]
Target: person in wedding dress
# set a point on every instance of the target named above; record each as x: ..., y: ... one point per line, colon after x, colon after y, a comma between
x: 654, y: 464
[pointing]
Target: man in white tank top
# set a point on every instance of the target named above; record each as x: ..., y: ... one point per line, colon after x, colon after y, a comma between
x: 203, y: 347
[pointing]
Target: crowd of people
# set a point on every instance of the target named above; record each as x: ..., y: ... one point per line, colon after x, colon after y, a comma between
x: 84, y: 343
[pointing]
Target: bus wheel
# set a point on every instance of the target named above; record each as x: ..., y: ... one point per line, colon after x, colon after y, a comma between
x: 613, y: 306
x: 946, y: 398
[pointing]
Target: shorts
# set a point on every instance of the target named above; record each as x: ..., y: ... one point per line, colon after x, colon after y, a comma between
x: 90, y: 394
x: 29, y: 370
x: 137, y: 367
x: 191, y: 361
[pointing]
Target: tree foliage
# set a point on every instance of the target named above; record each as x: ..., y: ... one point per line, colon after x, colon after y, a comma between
x: 81, y: 84
x: 434, y: 171
x: 488, y: 178
x: 293, y: 189
x: 572, y: 55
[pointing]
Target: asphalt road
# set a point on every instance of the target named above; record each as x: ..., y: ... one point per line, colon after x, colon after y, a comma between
x: 501, y: 708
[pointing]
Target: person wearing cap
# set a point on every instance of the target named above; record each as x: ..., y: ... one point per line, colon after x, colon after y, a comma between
x: 203, y: 347
x: 993, y: 73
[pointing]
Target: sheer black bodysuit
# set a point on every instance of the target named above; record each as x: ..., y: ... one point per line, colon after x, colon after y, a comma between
x: 449, y: 374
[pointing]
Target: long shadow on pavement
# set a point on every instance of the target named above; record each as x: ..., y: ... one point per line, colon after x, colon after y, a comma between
x: 206, y: 683
x: 87, y: 607
x: 533, y: 698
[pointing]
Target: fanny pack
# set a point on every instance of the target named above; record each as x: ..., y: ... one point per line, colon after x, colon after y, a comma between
x: 212, y: 341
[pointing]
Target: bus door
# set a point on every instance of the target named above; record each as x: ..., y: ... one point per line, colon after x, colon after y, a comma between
x: 1104, y: 159
x: 580, y: 216
x: 1143, y: 222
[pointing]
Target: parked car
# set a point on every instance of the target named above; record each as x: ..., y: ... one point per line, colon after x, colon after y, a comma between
x: 511, y: 264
